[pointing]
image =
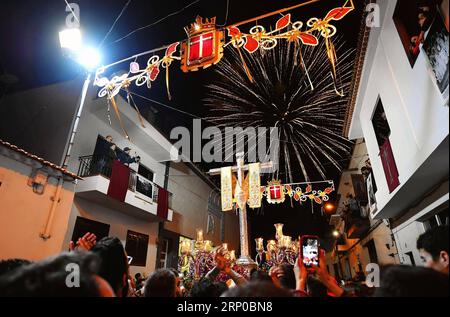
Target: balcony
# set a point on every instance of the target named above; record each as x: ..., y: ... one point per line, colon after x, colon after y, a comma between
x: 141, y: 199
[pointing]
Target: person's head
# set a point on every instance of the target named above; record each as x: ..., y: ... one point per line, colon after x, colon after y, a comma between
x: 127, y: 150
x: 109, y: 138
x: 113, y: 146
x: 287, y: 279
x: 71, y: 274
x: 260, y: 276
x: 433, y: 248
x: 177, y: 282
x: 412, y: 281
x: 162, y: 283
x: 315, y: 287
x: 8, y: 266
x: 257, y: 289
x: 207, y: 288
x: 113, y: 264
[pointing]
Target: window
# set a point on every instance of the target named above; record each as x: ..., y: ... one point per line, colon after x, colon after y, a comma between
x: 436, y: 220
x: 144, y: 179
x: 337, y: 274
x: 163, y: 254
x: 83, y: 226
x: 443, y: 218
x: 380, y: 124
x: 360, y: 189
x: 410, y: 258
x: 145, y: 172
x: 372, y: 251
x: 382, y: 133
x: 136, y: 247
x: 412, y: 19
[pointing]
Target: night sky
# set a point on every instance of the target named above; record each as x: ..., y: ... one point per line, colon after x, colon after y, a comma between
x: 30, y: 50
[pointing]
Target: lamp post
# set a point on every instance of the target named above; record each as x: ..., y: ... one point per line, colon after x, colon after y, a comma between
x: 71, y: 42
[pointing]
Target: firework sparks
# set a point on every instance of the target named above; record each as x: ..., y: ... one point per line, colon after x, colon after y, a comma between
x: 303, y: 104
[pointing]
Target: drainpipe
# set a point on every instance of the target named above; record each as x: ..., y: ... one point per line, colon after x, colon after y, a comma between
x: 46, y: 234
x: 74, y: 127
x: 166, y: 175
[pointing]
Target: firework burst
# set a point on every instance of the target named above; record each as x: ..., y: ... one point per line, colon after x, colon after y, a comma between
x: 304, y: 105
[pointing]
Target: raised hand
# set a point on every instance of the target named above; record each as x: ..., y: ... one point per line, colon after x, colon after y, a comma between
x: 219, y: 258
x: 323, y: 275
x: 84, y: 243
x: 301, y: 274
x: 276, y: 273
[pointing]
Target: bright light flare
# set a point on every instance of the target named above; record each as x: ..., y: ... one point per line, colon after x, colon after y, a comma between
x: 71, y: 39
x: 89, y: 58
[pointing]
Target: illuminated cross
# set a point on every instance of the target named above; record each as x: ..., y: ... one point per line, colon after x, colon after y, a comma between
x: 275, y: 192
x: 201, y: 40
x: 240, y: 169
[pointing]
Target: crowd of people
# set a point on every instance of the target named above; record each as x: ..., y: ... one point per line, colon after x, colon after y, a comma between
x: 100, y: 269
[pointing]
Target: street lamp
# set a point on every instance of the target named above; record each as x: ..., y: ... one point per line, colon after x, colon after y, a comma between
x: 72, y: 43
x: 71, y: 39
x: 329, y: 207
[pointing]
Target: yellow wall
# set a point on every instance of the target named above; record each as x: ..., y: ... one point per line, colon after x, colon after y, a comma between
x: 23, y: 215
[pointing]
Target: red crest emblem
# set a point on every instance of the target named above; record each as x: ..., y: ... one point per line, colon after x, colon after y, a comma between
x: 275, y: 192
x: 204, y: 46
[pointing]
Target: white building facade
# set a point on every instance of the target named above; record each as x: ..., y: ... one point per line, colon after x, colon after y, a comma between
x: 402, y: 113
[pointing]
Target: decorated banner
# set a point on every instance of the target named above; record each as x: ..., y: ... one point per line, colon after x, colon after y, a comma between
x: 241, y: 193
x: 276, y: 193
x: 227, y: 189
x: 254, y: 192
x: 206, y: 41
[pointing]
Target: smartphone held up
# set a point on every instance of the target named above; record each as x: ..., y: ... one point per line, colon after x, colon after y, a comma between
x: 310, y: 251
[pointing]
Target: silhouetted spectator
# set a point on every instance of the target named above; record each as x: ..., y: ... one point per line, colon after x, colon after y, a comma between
x: 260, y: 276
x: 433, y: 248
x: 411, y: 281
x: 315, y: 288
x: 207, y: 288
x: 51, y: 278
x: 8, y: 266
x: 113, y: 264
x: 162, y: 283
x: 257, y: 289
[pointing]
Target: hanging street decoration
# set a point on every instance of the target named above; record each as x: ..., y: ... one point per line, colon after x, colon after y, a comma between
x: 204, y: 46
x: 276, y: 193
x: 205, y: 43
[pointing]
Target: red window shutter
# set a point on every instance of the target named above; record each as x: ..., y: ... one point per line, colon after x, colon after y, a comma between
x: 389, y: 166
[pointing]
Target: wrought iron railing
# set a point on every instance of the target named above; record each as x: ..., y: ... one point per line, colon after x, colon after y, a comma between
x: 136, y: 183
